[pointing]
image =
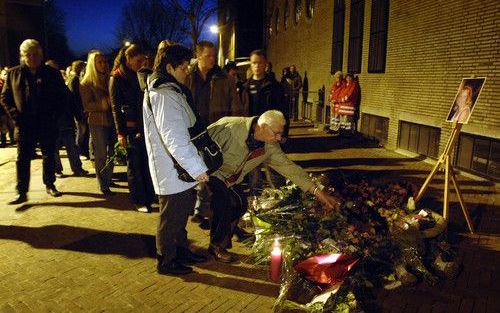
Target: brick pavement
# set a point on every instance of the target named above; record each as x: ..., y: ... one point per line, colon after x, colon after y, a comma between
x: 82, y: 253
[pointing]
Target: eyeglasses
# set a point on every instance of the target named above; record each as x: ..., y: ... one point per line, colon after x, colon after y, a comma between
x: 277, y: 134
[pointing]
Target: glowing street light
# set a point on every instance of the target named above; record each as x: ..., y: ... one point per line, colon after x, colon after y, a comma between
x: 214, y: 29
x: 127, y: 43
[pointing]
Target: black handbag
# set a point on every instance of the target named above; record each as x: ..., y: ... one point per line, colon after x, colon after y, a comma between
x: 208, y: 149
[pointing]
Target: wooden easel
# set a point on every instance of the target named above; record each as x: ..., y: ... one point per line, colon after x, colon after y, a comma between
x: 443, y: 163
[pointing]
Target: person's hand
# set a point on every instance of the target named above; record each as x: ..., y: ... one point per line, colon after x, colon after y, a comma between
x: 330, y: 202
x: 203, y: 178
x: 122, y: 140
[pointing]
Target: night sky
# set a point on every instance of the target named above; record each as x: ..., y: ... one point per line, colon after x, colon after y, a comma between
x: 91, y: 24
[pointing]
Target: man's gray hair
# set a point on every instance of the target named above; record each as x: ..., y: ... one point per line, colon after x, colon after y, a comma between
x: 272, y: 118
x: 29, y: 44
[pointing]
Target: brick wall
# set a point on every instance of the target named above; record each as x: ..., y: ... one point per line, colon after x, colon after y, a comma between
x: 431, y: 46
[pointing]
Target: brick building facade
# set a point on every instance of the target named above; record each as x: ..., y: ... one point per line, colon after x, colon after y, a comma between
x: 406, y: 92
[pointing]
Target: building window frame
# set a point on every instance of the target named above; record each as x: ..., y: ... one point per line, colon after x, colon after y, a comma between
x: 277, y: 21
x: 309, y: 8
x: 479, y: 155
x: 379, y: 25
x: 297, y: 11
x: 356, y: 21
x: 338, y: 35
x: 419, y: 138
x: 374, y: 126
x: 286, y: 15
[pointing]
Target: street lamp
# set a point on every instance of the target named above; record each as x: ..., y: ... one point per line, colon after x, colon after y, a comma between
x: 127, y: 43
x: 214, y: 29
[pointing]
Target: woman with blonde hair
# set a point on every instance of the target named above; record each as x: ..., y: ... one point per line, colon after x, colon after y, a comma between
x: 463, y: 103
x: 96, y: 104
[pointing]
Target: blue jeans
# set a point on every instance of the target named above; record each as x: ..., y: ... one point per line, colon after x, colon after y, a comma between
x: 103, y: 138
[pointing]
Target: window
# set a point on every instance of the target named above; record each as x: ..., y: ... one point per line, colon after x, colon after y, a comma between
x: 309, y: 8
x: 277, y: 21
x: 421, y: 139
x: 375, y: 126
x: 297, y: 11
x: 270, y: 25
x: 338, y: 35
x: 378, y: 36
x: 479, y: 154
x: 356, y: 36
x: 286, y: 16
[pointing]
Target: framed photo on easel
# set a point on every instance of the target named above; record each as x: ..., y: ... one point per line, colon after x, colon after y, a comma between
x: 465, y: 100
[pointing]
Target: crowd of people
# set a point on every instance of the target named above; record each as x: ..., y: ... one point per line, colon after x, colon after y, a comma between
x: 153, y: 109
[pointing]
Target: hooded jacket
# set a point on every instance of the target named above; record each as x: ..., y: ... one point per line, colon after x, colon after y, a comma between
x: 166, y: 131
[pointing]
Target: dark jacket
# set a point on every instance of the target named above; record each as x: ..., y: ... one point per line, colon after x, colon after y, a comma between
x: 126, y: 101
x: 271, y: 97
x: 53, y: 94
x: 224, y: 99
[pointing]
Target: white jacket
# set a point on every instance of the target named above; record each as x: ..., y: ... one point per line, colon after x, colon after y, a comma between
x: 167, y: 128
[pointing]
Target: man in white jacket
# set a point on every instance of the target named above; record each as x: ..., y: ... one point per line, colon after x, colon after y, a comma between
x: 167, y: 119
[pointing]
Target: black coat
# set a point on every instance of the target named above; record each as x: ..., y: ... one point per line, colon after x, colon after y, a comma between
x: 126, y: 101
x: 53, y: 95
x: 271, y: 97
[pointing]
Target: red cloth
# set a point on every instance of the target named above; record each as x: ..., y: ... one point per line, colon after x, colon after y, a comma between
x: 326, y: 269
x: 348, y: 97
x: 335, y: 93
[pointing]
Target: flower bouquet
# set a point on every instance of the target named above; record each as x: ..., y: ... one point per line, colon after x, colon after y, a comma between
x: 332, y: 260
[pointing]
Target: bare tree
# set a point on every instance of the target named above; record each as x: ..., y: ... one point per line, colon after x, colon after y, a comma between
x: 196, y: 14
x: 57, y: 42
x: 147, y: 22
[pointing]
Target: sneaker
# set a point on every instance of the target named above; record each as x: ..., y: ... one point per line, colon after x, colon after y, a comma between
x: 59, y: 175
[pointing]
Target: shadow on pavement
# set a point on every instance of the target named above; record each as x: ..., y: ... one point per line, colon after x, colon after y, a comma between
x: 258, y: 288
x: 119, y: 201
x: 82, y: 240
x: 234, y: 270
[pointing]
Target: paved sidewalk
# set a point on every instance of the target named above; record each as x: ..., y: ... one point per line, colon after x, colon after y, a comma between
x: 83, y: 253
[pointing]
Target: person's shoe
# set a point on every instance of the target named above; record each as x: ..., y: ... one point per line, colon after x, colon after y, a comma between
x: 221, y: 254
x: 81, y: 172
x: 59, y: 175
x: 144, y: 209
x: 188, y: 257
x: 243, y: 235
x: 21, y: 198
x: 173, y: 267
x: 108, y: 192
x: 51, y: 190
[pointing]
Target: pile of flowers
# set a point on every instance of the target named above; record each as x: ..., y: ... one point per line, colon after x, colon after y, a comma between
x: 333, y: 259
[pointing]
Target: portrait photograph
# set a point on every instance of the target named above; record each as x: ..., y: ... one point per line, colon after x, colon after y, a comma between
x: 465, y: 99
